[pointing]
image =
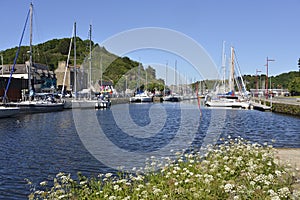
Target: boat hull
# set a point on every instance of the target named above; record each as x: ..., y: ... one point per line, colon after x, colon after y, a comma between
x: 82, y: 104
x: 232, y: 104
x: 38, y: 107
x: 8, y: 111
x: 137, y: 99
x: 172, y: 98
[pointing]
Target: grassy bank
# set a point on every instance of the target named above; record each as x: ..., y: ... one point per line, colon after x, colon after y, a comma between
x: 235, y: 169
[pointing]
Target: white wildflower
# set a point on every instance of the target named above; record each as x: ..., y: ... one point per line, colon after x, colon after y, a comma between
x: 82, y: 182
x: 284, y: 192
x: 270, y: 177
x: 112, y: 198
x: 116, y: 187
x: 278, y: 173
x: 156, y: 191
x: 107, y: 175
x: 43, y: 183
x: 275, y: 198
x: 62, y: 196
x: 228, y: 187
x: 252, y: 183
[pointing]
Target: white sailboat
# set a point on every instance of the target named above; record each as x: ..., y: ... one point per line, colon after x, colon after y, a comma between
x: 173, y: 97
x: 87, y: 102
x: 140, y: 96
x: 36, y: 103
x: 229, y: 99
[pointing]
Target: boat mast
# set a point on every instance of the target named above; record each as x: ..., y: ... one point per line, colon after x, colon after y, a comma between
x: 90, y: 63
x: 175, y: 78
x: 101, y: 83
x: 67, y: 64
x: 166, y: 79
x: 75, y: 68
x: 231, y: 82
x: 138, y: 82
x: 30, y: 53
x: 224, y: 67
x: 146, y: 80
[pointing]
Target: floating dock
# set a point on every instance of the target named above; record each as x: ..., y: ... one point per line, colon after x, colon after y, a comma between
x: 261, y: 107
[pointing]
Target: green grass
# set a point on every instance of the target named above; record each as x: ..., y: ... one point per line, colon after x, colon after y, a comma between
x: 235, y: 169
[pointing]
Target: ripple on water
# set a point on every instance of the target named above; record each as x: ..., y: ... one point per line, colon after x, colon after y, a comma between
x: 41, y: 145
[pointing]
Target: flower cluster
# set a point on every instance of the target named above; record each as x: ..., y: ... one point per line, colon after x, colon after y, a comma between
x: 235, y: 169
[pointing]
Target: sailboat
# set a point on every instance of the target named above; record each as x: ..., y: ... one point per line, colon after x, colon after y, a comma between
x: 230, y: 98
x: 140, y: 96
x: 173, y: 97
x: 36, y: 103
x: 100, y: 101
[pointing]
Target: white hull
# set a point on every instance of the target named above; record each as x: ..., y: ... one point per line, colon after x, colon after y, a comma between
x: 225, y: 103
x: 172, y: 98
x: 73, y: 104
x: 8, y: 111
x: 141, y: 98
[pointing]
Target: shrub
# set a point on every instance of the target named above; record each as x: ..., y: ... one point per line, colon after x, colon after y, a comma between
x: 234, y: 169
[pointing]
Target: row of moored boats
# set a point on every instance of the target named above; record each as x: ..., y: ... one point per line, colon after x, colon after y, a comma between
x: 51, y: 104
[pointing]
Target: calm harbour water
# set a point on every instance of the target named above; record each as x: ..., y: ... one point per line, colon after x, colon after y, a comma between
x: 39, y: 146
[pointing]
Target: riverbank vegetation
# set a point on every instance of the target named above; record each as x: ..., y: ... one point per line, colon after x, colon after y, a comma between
x: 289, y: 80
x: 234, y: 169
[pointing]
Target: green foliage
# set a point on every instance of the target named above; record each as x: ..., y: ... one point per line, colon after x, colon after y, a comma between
x: 294, y: 86
x: 155, y: 86
x: 235, y: 169
x: 63, y: 46
x: 281, y: 81
x: 50, y: 52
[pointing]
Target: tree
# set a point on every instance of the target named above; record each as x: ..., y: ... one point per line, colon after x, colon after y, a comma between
x: 299, y: 65
x: 151, y: 72
x: 63, y: 46
x: 294, y: 86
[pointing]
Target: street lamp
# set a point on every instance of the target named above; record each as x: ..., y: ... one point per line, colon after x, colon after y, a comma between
x: 267, y: 65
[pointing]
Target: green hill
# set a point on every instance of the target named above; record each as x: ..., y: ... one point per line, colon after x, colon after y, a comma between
x: 104, y: 64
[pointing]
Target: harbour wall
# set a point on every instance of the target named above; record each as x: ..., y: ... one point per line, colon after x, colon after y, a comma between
x: 282, y: 106
x: 119, y: 100
x: 286, y: 108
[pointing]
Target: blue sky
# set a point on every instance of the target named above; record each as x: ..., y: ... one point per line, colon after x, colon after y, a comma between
x: 256, y: 29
